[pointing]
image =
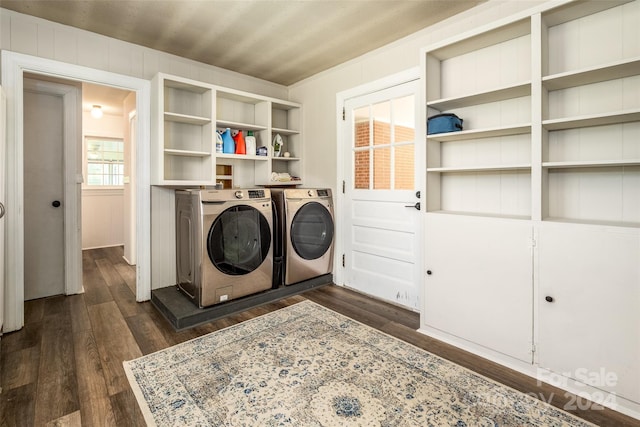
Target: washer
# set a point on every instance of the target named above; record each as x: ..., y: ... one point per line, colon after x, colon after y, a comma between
x: 305, y: 223
x: 224, y: 246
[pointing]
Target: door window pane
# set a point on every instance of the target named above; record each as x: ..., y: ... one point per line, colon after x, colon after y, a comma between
x: 361, y: 127
x: 382, y: 169
x: 361, y: 170
x: 381, y: 123
x: 404, y: 165
x: 404, y: 119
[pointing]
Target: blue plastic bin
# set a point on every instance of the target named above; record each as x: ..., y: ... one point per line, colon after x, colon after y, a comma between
x: 446, y: 122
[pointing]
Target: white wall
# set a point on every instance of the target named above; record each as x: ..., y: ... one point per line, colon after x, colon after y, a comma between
x: 318, y: 93
x: 102, y: 217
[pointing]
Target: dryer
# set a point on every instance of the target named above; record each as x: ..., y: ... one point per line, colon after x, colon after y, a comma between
x: 305, y: 225
x: 224, y: 244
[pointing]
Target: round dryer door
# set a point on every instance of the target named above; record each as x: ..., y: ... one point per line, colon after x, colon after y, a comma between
x: 312, y: 231
x: 239, y: 240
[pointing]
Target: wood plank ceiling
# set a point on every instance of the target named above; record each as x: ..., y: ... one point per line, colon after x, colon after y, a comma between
x: 283, y: 41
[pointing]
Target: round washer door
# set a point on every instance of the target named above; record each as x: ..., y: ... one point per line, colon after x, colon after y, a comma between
x: 239, y: 240
x: 311, y: 231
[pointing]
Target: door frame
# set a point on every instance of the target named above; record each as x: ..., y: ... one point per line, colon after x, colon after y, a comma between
x: 72, y: 123
x: 14, y: 65
x: 343, y: 138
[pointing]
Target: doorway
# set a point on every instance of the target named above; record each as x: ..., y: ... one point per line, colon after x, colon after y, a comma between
x: 108, y: 138
x: 91, y: 154
x: 382, y: 194
x: 14, y: 66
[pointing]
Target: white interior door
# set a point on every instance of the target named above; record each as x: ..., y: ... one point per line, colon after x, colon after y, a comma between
x: 382, y: 247
x: 44, y: 243
x: 3, y: 129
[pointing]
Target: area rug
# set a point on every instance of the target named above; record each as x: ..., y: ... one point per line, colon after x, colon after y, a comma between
x: 306, y: 365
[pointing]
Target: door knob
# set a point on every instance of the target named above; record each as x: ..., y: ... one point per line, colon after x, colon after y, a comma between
x: 417, y: 206
x: 1, y: 210
x: 55, y: 203
x: 548, y: 299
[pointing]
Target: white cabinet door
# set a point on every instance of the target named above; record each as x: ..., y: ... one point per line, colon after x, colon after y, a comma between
x: 590, y: 331
x: 480, y: 284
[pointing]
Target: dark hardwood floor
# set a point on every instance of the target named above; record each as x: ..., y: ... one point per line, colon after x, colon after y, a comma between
x: 65, y: 366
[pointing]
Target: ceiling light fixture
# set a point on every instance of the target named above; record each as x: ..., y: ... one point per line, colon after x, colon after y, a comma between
x: 96, y: 111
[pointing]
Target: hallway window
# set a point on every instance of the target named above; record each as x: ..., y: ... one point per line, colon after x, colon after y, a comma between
x: 104, y: 161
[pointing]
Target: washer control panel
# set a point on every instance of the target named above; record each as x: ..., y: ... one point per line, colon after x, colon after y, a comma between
x: 256, y: 194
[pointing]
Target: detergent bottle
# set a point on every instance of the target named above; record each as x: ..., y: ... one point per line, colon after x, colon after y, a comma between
x: 250, y: 142
x: 277, y: 145
x: 228, y: 146
x: 241, y: 148
x: 219, y: 142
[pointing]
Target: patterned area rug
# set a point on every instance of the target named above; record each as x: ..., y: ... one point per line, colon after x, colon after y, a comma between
x: 306, y: 365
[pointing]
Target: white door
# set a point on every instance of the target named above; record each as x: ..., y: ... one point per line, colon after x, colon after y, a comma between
x: 44, y: 245
x: 3, y: 130
x: 382, y: 248
x: 590, y: 287
x: 479, y: 284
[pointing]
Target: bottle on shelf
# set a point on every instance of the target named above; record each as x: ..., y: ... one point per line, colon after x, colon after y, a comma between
x: 219, y: 143
x: 277, y: 145
x: 228, y: 145
x: 250, y: 142
x: 241, y: 147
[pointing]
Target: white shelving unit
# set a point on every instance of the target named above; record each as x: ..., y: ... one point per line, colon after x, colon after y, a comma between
x: 188, y: 113
x: 545, y: 173
x: 183, y: 130
x: 285, y: 121
x: 591, y: 117
x: 495, y: 145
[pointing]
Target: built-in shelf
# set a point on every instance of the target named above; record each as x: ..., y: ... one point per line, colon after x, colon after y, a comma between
x: 480, y: 168
x: 592, y: 120
x: 463, y: 135
x: 474, y: 42
x: 282, y: 183
x: 283, y: 132
x: 578, y: 9
x: 593, y: 221
x: 287, y: 159
x: 590, y: 163
x: 498, y: 94
x: 612, y: 71
x: 239, y: 125
x: 480, y: 214
x: 187, y: 115
x: 185, y: 118
x: 186, y: 153
x: 555, y: 195
x: 241, y: 157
